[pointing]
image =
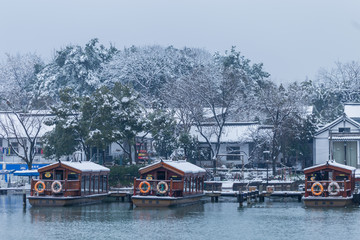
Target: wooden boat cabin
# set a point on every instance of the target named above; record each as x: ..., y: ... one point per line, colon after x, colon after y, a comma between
x: 66, y: 183
x: 167, y: 183
x: 329, y: 184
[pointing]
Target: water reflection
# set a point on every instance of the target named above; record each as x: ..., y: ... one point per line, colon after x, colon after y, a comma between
x: 223, y: 220
x: 169, y: 213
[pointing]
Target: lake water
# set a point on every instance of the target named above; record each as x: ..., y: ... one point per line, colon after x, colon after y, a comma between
x: 222, y: 220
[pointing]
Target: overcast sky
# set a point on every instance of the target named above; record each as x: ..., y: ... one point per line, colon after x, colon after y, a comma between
x: 294, y: 39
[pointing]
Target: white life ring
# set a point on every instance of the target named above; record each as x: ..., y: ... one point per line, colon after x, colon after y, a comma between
x: 56, y: 187
x: 333, y: 188
x: 160, y: 189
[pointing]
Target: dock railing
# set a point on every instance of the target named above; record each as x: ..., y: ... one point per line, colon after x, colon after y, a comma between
x: 344, y: 191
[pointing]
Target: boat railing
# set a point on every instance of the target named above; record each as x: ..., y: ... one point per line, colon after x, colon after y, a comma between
x: 345, y: 188
x: 67, y: 186
x: 175, y: 187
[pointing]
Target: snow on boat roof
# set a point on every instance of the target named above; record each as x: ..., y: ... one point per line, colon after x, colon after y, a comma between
x: 332, y: 163
x: 181, y: 165
x: 83, y: 166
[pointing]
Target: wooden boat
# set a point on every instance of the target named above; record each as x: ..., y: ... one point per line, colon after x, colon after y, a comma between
x: 329, y: 185
x: 169, y: 183
x: 69, y: 183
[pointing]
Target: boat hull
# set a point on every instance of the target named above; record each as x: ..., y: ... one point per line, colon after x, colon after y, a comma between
x: 50, y: 201
x: 327, y: 201
x: 157, y: 201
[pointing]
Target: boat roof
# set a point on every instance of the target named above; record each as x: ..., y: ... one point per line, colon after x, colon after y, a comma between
x: 331, y: 164
x: 182, y: 165
x: 83, y: 166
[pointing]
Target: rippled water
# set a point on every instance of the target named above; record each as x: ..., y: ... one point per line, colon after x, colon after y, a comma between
x: 223, y: 220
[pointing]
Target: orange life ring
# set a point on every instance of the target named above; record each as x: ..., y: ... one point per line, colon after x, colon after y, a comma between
x: 141, y: 187
x: 317, y: 192
x: 39, y: 190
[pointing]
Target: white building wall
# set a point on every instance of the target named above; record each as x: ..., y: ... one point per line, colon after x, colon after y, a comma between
x: 244, y: 150
x: 322, y: 142
x: 322, y: 150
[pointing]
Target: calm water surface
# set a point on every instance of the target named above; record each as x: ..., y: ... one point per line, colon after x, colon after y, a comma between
x: 223, y: 220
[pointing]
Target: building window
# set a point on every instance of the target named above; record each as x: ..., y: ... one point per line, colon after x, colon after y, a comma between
x: 38, y: 148
x: 205, y: 154
x: 344, y: 130
x: 234, y: 154
x: 14, y: 147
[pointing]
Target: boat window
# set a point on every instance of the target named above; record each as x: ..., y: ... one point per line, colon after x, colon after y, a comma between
x: 341, y: 178
x: 105, y: 183
x: 83, y: 185
x: 175, y: 177
x: 161, y: 175
x: 87, y: 184
x: 96, y: 190
x: 59, y: 175
x: 101, y: 183
x: 73, y: 176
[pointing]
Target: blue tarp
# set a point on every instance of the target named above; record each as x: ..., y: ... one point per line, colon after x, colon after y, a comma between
x: 3, y: 172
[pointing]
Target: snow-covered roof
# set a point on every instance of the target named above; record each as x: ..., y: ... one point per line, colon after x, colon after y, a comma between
x: 83, y: 166
x: 337, y: 121
x: 352, y: 110
x: 181, y: 165
x: 236, y: 132
x: 346, y: 138
x: 32, y: 123
x: 331, y: 163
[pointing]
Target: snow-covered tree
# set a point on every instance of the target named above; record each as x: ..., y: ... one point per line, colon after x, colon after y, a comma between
x: 97, y: 120
x: 214, y: 92
x: 22, y: 132
x: 284, y: 110
x: 162, y: 126
x: 74, y: 67
x: 17, y: 78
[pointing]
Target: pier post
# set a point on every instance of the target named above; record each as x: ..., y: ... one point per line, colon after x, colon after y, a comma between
x: 123, y: 199
x: 248, y: 198
x: 216, y: 199
x: 212, y: 199
x: 240, y: 199
x: 299, y: 198
x: 24, y: 200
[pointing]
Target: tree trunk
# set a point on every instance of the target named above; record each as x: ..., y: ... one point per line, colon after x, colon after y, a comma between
x: 29, y: 164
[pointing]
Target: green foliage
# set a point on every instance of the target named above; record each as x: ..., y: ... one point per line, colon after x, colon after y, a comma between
x: 123, y: 176
x: 190, y: 146
x: 104, y: 117
x: 162, y: 126
x: 59, y: 142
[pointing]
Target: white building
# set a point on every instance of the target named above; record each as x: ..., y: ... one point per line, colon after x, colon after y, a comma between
x: 236, y: 142
x: 340, y: 139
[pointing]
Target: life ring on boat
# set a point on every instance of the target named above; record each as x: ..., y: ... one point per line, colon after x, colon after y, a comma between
x: 39, y: 187
x: 56, y: 187
x: 314, y: 189
x: 147, y: 189
x: 162, y: 187
x: 334, y: 188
